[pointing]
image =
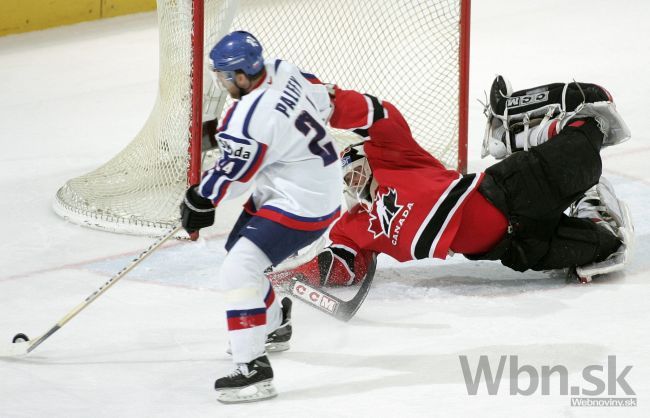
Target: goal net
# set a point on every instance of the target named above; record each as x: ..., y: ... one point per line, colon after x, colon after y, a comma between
x: 413, y: 53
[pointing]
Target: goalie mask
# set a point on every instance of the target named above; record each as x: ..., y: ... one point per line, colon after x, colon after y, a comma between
x: 357, y: 177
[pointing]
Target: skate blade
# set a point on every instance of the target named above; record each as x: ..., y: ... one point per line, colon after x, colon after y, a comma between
x: 256, y: 392
x: 276, y: 347
x: 615, y: 262
x: 610, y: 265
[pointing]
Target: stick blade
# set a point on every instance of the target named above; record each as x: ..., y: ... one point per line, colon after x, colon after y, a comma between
x: 324, y: 301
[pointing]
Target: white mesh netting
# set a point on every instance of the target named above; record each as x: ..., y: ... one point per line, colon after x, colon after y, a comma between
x: 405, y: 52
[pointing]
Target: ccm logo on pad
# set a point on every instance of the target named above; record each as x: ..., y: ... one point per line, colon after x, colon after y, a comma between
x: 527, y: 99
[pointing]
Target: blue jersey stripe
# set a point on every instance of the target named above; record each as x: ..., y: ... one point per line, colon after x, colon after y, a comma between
x: 208, y: 187
x: 234, y: 138
x: 247, y: 120
x: 221, y: 192
x: 228, y: 117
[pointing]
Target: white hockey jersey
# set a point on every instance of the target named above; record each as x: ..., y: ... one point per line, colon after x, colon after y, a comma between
x: 275, y: 138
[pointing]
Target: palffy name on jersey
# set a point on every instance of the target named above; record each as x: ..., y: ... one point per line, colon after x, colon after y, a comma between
x: 290, y: 96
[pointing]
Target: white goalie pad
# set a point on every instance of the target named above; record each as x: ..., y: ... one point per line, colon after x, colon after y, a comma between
x: 621, y: 217
x: 492, y: 143
x: 614, y: 262
x: 610, y: 121
x: 497, y: 141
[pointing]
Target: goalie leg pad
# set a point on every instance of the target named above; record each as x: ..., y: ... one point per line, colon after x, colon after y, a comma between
x: 617, y: 260
x: 534, y: 101
x: 521, y: 120
x: 601, y: 205
x: 609, y: 121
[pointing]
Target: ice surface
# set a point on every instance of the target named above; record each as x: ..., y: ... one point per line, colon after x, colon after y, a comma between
x: 72, y: 97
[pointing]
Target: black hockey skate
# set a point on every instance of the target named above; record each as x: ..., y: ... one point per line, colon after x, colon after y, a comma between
x: 249, y: 382
x: 499, y: 92
x: 278, y: 340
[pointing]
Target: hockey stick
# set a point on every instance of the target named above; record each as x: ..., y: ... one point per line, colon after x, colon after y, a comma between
x: 299, y: 259
x: 324, y: 301
x: 22, y: 345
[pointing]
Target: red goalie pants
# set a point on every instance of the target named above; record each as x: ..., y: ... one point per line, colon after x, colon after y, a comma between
x: 482, y: 226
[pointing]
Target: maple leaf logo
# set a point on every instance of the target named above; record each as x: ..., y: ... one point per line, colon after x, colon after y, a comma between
x: 386, y: 209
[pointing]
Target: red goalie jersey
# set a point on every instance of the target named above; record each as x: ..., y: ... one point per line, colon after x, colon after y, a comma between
x: 420, y: 209
x: 417, y: 204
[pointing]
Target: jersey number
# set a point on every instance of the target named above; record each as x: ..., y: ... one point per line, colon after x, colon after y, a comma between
x: 305, y: 123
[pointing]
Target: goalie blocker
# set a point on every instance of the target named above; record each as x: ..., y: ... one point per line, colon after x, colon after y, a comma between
x: 303, y: 282
x: 333, y: 266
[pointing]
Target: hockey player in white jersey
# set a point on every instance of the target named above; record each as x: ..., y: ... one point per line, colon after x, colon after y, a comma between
x: 273, y: 141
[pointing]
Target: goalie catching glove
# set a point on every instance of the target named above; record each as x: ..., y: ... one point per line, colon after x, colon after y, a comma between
x: 196, y: 211
x: 333, y: 266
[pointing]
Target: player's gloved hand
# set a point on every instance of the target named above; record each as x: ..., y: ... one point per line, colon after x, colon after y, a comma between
x: 196, y: 211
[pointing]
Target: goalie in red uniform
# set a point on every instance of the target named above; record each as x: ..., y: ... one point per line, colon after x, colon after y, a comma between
x: 405, y: 203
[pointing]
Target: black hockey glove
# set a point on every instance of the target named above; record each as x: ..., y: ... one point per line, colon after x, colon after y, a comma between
x: 196, y: 211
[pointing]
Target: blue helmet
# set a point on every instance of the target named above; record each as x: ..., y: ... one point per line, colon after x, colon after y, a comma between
x: 238, y: 50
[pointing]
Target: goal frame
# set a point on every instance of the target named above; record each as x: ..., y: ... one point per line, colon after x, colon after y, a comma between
x: 194, y: 171
x: 198, y: 7
x: 463, y: 83
x: 135, y: 194
x: 196, y: 125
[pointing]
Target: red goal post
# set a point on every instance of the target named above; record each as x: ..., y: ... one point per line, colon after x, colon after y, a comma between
x: 413, y: 53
